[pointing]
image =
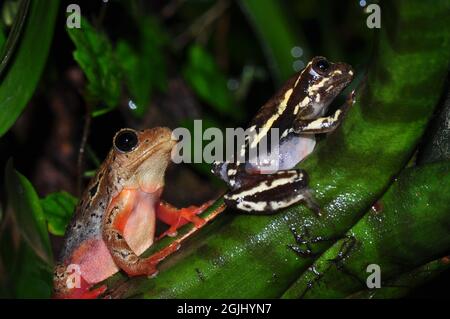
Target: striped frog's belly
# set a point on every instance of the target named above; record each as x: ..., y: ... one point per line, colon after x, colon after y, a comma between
x: 292, y: 150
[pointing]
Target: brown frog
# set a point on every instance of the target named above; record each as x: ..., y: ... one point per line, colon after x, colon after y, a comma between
x: 115, y: 220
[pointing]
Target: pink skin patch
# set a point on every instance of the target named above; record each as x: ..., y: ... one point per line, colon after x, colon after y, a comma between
x: 95, y: 261
x: 93, y: 257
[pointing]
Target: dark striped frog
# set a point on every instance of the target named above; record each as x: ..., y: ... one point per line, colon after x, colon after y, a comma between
x: 298, y: 113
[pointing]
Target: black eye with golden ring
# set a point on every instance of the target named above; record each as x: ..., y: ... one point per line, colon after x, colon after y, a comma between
x: 126, y: 140
x: 322, y: 66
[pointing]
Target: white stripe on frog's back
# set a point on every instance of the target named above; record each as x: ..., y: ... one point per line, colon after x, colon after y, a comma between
x: 269, y: 123
x: 267, y: 184
x: 301, y: 74
x: 281, y: 108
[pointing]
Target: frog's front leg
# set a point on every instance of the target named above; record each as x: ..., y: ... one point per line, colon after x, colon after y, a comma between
x: 323, y: 124
x: 124, y: 257
x: 267, y: 193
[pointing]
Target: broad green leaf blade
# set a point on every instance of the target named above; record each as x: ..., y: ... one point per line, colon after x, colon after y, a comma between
x: 28, y: 213
x: 203, y: 75
x: 8, y: 256
x: 408, y: 229
x: 407, y: 282
x: 248, y: 256
x: 10, y: 13
x: 32, y: 277
x: 436, y: 144
x: 30, y: 261
x: 277, y: 36
x: 2, y: 40
x: 94, y: 54
x: 24, y: 273
x: 149, y: 72
x: 24, y: 71
x: 143, y: 66
x: 58, y: 208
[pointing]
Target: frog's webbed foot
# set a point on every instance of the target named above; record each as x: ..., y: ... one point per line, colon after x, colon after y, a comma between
x: 305, y: 240
x: 61, y: 289
x: 177, y: 217
x: 267, y: 193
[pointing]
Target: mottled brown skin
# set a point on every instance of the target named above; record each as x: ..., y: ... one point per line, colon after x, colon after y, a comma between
x: 115, y: 220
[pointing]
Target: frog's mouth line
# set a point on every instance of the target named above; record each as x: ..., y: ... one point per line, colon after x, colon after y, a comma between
x: 152, y: 151
x: 343, y: 83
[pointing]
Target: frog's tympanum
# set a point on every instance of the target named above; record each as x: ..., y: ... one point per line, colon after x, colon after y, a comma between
x: 115, y: 220
x: 298, y: 112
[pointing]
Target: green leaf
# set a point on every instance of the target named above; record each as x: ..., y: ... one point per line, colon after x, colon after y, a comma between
x: 32, y: 277
x: 153, y: 41
x: 58, y: 209
x: 203, y: 75
x: 407, y: 229
x: 9, y: 11
x: 144, y: 67
x: 31, y: 266
x: 24, y: 273
x: 24, y: 69
x: 277, y: 36
x: 436, y: 144
x: 94, y: 54
x: 2, y: 38
x: 24, y: 202
x: 406, y: 283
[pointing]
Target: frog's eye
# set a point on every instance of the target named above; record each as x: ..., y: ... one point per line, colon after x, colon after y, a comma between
x: 125, y: 141
x: 322, y: 66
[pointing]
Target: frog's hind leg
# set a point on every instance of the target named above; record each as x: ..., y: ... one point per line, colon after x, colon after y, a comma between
x: 267, y: 193
x: 177, y: 217
x: 114, y: 224
x: 62, y: 290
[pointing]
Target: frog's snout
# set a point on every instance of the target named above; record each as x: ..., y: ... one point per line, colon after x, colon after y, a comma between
x: 347, y: 71
x: 350, y: 71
